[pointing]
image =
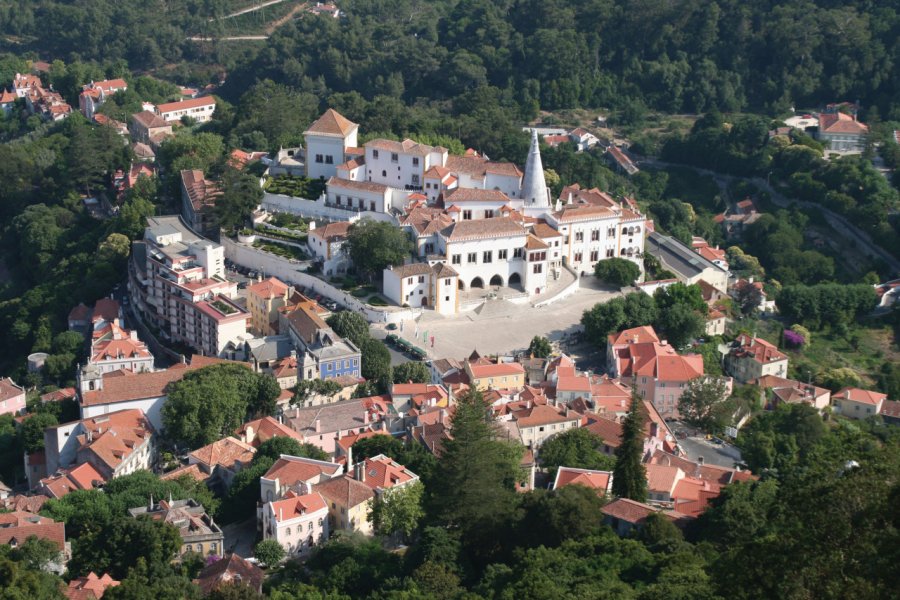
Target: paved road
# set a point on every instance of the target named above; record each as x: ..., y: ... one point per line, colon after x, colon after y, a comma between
x: 839, y: 223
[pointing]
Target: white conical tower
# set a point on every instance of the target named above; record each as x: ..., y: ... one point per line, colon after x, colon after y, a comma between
x: 534, y: 187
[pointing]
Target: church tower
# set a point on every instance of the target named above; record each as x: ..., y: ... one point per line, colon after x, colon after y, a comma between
x: 534, y: 187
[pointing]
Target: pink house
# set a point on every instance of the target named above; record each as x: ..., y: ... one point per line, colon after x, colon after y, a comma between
x: 12, y: 397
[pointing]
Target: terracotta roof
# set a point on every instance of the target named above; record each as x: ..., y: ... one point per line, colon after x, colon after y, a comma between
x: 227, y: 452
x: 598, y: 480
x: 149, y: 120
x: 332, y: 231
x: 82, y: 477
x: 407, y: 146
x: 861, y: 396
x: 838, y: 122
x: 483, y: 229
x: 411, y: 270
x: 192, y: 471
x: 363, y: 186
x: 265, y: 429
x: 544, y: 231
x: 291, y: 470
x: 758, y: 349
x: 186, y: 104
x: 20, y: 525
x: 268, y: 288
x: 383, y: 472
x: 474, y: 195
x: 298, y: 506
x: 331, y: 123
x: 232, y: 569
x: 542, y: 414
x: 345, y: 491
x: 90, y: 587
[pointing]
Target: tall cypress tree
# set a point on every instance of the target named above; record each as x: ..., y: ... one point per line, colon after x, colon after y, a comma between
x: 473, y: 487
x: 629, y: 476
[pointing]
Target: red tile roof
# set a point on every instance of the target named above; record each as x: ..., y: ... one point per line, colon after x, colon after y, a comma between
x: 331, y: 123
x: 231, y: 569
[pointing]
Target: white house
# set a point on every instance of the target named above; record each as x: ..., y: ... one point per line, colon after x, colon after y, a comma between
x: 199, y: 109
x: 327, y: 141
x: 299, y: 522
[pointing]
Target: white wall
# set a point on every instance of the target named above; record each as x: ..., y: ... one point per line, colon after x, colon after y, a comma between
x: 330, y: 148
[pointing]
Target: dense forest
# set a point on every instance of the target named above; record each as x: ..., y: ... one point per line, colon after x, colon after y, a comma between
x: 679, y: 56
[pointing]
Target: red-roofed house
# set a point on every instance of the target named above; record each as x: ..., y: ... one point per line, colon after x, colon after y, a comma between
x: 752, y: 358
x: 12, y: 397
x: 198, y: 109
x: 597, y: 480
x: 856, y: 403
x: 842, y: 132
x: 656, y: 371
x: 90, y: 587
x: 298, y: 522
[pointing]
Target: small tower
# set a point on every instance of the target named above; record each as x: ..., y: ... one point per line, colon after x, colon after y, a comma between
x: 534, y: 186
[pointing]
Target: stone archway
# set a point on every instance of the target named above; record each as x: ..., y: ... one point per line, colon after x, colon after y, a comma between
x: 478, y: 282
x: 497, y: 280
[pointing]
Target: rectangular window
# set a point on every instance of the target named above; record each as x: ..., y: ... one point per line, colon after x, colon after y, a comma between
x: 473, y: 257
x: 457, y: 259
x: 502, y: 254
x: 538, y: 268
x: 486, y: 257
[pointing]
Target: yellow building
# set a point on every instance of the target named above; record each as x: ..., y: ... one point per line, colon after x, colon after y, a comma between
x: 263, y: 301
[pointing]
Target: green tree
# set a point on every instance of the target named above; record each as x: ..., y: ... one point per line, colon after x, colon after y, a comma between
x: 31, y: 432
x: 539, y: 347
x: 350, y: 325
x: 376, y: 362
x: 411, y: 372
x: 375, y: 245
x: 273, y: 448
x: 629, y: 476
x: 617, y: 271
x: 398, y: 511
x: 241, y: 195
x: 474, y: 485
x: 269, y: 552
x: 210, y: 403
x: 704, y: 403
x: 578, y: 448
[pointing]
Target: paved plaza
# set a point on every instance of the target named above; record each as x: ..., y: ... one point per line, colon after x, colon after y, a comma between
x: 501, y: 327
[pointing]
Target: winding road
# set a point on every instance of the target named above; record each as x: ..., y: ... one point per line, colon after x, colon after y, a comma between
x: 838, y: 222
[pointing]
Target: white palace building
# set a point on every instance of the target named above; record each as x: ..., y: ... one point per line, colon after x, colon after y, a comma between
x: 476, y: 223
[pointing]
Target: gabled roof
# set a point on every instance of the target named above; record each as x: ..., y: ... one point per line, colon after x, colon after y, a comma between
x: 291, y: 470
x: 598, y: 480
x: 345, y: 491
x: 298, y: 506
x: 861, y: 396
x: 838, y: 122
x: 186, y: 104
x: 331, y: 123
